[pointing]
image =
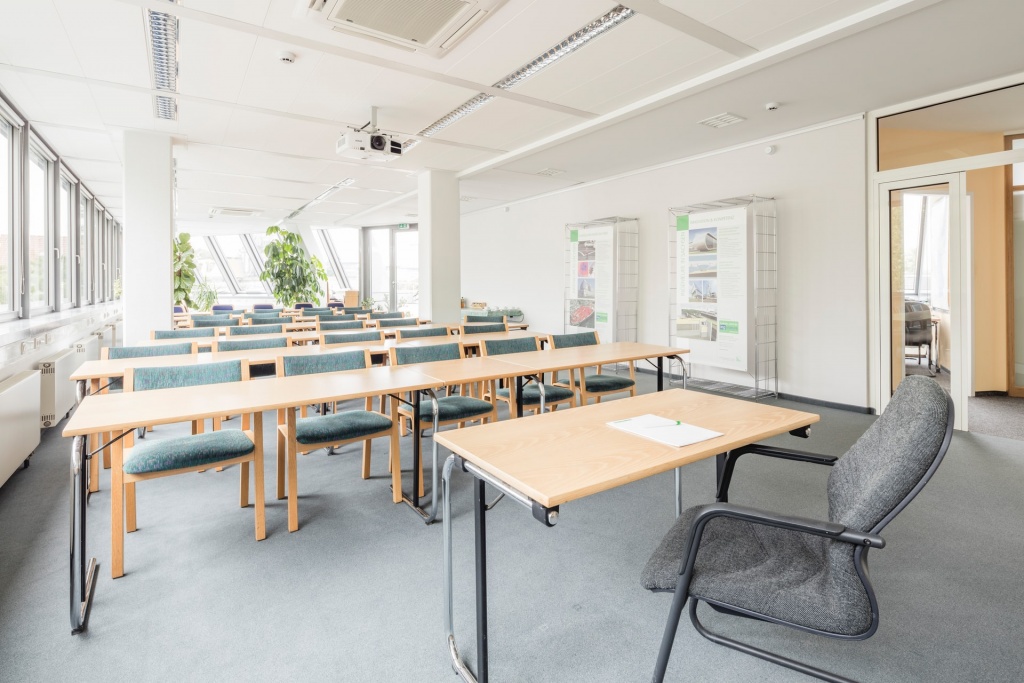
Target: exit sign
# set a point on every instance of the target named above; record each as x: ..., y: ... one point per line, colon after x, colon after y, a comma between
x: 403, y: 226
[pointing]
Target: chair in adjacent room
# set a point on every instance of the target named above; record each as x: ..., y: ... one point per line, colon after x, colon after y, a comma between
x: 385, y: 316
x: 405, y: 334
x: 554, y: 396
x: 483, y: 329
x: 471, y: 319
x: 594, y: 385
x: 255, y: 329
x: 397, y: 322
x: 302, y: 434
x: 917, y: 328
x: 334, y: 325
x: 200, y: 451
x: 803, y: 573
x: 370, y: 337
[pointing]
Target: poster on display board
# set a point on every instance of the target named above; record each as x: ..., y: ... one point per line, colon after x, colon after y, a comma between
x: 590, y: 299
x: 711, y: 286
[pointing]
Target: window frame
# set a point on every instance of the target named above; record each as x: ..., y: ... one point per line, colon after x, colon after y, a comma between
x: 33, y: 146
x: 13, y: 309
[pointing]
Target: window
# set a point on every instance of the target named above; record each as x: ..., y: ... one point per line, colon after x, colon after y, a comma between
x: 239, y: 262
x: 207, y: 269
x: 38, y: 219
x: 65, y: 251
x: 6, y: 218
x: 343, y: 246
x: 926, y: 248
x: 83, y: 251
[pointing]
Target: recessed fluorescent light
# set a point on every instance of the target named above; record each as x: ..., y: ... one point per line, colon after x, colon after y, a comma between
x: 163, y: 45
x: 565, y: 47
x: 721, y: 120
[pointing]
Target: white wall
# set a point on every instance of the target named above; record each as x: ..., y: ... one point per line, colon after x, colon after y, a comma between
x: 516, y: 257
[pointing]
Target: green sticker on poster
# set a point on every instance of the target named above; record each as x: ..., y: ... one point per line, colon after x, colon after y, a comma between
x: 682, y: 222
x: 729, y: 326
x: 574, y: 235
x: 602, y: 317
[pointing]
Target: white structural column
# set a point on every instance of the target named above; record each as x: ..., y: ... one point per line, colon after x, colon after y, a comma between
x: 148, y: 234
x: 440, y: 277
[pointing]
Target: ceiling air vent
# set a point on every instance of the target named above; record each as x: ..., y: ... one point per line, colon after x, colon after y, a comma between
x: 721, y: 120
x: 429, y: 26
x: 233, y: 213
x: 550, y: 172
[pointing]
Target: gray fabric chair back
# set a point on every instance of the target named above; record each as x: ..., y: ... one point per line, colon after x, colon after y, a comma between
x: 184, y: 333
x: 350, y: 337
x: 497, y: 347
x: 398, y: 322
x: 482, y: 329
x: 324, y: 362
x: 413, y: 332
x: 563, y: 341
x: 386, y: 316
x: 264, y: 313
x: 254, y: 329
x: 249, y: 344
x: 406, y: 355
x: 341, y: 324
x: 118, y: 352
x: 892, y: 458
x: 215, y: 322
x: 270, y: 320
x: 187, y: 375
x: 486, y: 319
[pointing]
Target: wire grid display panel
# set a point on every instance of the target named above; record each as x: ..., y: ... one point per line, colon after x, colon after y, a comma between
x: 695, y: 314
x: 602, y: 278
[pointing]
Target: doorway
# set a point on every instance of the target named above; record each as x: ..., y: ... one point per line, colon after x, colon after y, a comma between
x: 391, y: 273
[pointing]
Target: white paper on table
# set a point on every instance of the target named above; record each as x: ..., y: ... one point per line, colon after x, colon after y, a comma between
x: 664, y: 430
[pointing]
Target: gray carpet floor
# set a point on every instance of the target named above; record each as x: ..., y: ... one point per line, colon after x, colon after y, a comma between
x: 355, y: 594
x: 989, y: 415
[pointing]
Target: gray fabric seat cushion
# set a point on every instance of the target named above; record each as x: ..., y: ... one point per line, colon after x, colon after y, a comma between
x: 606, y: 383
x: 187, y: 451
x: 452, y: 408
x: 350, y: 424
x: 767, y: 570
x: 531, y: 394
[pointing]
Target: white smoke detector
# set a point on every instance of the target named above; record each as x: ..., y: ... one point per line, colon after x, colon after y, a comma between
x: 286, y: 57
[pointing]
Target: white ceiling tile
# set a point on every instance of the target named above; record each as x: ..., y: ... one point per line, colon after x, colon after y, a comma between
x: 81, y: 144
x: 127, y: 109
x: 498, y: 122
x: 500, y: 186
x: 271, y: 83
x: 597, y: 99
x: 249, y: 11
x: 818, y: 15
x: 202, y: 122
x: 213, y: 60
x: 109, y: 39
x: 767, y: 17
x: 57, y: 100
x: 89, y: 170
x: 702, y: 10
x: 32, y: 35
x: 252, y: 130
x: 246, y: 184
x: 247, y: 162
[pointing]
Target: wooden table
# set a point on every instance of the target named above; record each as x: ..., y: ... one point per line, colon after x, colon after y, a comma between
x: 555, y: 458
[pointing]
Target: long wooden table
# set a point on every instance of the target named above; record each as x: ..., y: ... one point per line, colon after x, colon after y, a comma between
x: 556, y: 458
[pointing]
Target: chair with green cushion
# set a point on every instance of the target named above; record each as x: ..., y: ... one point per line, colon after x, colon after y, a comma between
x: 302, y: 434
x: 451, y: 409
x: 215, y: 322
x: 471, y: 319
x: 406, y: 334
x: 386, y: 316
x: 312, y: 312
x: 355, y: 311
x: 398, y: 322
x: 119, y: 352
x: 270, y: 320
x: 482, y: 329
x: 554, y: 396
x: 264, y: 313
x: 195, y: 453
x: 324, y: 326
x: 255, y: 329
x: 184, y: 333
x: 342, y: 317
x: 598, y: 384
x: 343, y: 338
x: 258, y: 369
x: 225, y: 314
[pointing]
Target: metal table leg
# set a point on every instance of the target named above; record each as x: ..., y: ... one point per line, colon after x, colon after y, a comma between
x: 661, y: 373
x: 82, y: 575
x: 413, y: 500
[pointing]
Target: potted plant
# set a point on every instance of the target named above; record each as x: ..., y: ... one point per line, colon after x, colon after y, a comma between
x: 203, y: 296
x: 184, y: 263
x: 514, y: 313
x: 292, y: 275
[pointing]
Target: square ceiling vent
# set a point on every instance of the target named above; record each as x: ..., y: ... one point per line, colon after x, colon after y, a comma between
x: 721, y: 120
x: 428, y: 26
x: 233, y: 212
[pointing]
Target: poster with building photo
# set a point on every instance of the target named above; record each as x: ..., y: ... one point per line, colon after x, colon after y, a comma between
x: 711, y: 286
x: 591, y: 285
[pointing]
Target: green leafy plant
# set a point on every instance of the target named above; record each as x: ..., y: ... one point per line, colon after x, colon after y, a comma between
x: 292, y: 275
x: 203, y: 295
x: 118, y: 289
x: 513, y: 312
x: 184, y: 262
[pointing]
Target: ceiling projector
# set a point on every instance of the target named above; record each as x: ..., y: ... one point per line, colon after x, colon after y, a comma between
x: 358, y: 144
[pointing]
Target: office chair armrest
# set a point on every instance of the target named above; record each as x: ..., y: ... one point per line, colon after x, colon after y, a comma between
x: 805, y: 525
x: 770, y: 451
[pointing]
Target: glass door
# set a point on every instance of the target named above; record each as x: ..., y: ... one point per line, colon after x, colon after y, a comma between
x: 378, y: 281
x: 928, y: 326
x: 391, y: 267
x: 407, y: 272
x: 1015, y: 276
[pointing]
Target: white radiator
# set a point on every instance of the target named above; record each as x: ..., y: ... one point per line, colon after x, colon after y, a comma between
x: 19, y: 411
x: 57, y: 391
x: 87, y: 349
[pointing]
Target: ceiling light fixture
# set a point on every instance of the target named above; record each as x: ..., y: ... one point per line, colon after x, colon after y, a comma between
x: 565, y: 47
x: 163, y: 44
x: 321, y: 197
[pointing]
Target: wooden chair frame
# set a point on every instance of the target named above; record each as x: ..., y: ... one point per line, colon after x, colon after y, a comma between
x: 581, y: 387
x: 288, y: 449
x: 341, y: 345
x: 511, y: 399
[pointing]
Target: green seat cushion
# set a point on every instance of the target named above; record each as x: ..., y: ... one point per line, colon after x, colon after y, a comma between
x: 350, y: 424
x: 606, y: 383
x: 454, y: 408
x: 187, y: 451
x: 531, y: 394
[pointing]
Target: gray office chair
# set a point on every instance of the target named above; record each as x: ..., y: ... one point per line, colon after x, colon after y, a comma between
x: 807, y: 574
x: 917, y: 327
